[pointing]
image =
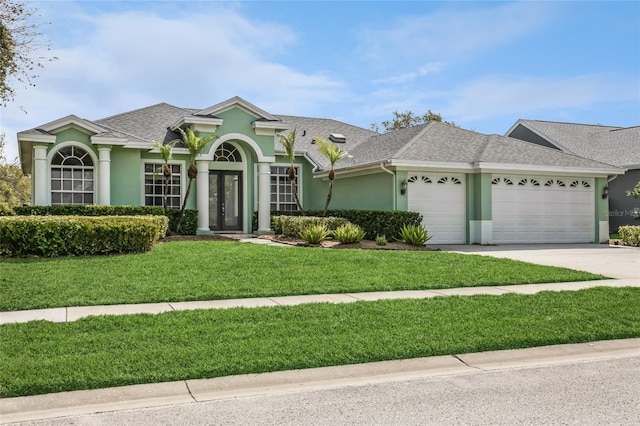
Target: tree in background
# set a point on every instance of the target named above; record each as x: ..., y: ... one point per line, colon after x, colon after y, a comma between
x: 333, y: 153
x: 635, y: 192
x: 402, y: 120
x: 15, y: 187
x: 288, y: 143
x: 19, y: 45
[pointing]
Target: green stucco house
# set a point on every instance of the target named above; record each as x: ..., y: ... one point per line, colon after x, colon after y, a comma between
x: 469, y: 187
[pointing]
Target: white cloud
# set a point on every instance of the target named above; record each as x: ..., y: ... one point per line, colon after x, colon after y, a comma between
x: 133, y: 59
x: 452, y: 33
x: 424, y: 70
x: 495, y: 96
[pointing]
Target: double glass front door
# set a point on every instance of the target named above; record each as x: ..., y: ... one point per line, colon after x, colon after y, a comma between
x: 225, y: 200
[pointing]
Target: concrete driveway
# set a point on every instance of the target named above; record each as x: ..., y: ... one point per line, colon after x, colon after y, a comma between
x: 620, y: 262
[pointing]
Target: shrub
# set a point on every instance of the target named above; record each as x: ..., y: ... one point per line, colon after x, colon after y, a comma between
x: 372, y: 222
x: 314, y: 234
x: 416, y: 235
x: 294, y: 225
x: 51, y: 236
x: 189, y: 224
x: 348, y: 233
x: 630, y: 235
x: 381, y: 240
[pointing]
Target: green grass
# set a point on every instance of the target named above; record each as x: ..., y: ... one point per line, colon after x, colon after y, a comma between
x: 42, y: 357
x: 180, y: 271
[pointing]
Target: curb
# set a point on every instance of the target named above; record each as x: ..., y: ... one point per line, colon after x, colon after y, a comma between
x: 84, y: 402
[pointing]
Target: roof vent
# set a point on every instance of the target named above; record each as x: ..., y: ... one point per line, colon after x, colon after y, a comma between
x: 337, y: 138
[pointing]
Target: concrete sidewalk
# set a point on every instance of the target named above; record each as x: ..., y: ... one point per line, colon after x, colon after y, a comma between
x: 193, y: 391
x: 69, y: 314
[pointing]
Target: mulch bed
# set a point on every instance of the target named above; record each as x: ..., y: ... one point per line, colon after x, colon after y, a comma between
x: 363, y: 245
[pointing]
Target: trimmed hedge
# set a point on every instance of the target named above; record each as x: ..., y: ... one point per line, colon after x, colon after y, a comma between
x: 189, y: 224
x: 294, y: 225
x: 50, y: 236
x: 630, y: 235
x: 372, y: 222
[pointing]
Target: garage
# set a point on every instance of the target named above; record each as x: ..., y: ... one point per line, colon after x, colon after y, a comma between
x: 441, y: 200
x: 538, y: 209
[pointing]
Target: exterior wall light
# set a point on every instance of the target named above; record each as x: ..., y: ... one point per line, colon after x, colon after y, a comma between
x: 605, y: 192
x: 403, y: 187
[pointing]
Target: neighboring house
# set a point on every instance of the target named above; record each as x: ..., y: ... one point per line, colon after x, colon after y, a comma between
x: 619, y: 146
x: 470, y: 187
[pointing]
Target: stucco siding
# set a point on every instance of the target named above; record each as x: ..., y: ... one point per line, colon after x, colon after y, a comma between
x: 126, y: 184
x: 368, y: 192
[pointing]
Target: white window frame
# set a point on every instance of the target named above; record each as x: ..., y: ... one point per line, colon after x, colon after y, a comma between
x: 160, y: 179
x: 96, y: 172
x: 298, y: 166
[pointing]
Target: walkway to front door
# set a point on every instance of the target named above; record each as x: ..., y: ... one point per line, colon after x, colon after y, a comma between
x: 225, y: 200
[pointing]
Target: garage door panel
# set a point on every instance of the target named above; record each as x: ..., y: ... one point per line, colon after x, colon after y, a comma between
x: 442, y: 205
x: 554, y: 211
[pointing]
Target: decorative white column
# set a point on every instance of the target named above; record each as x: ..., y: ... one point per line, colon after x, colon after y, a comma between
x: 39, y: 176
x: 264, y: 198
x: 202, y: 197
x: 104, y: 176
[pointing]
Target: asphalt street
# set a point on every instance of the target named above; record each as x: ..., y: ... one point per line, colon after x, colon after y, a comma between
x: 602, y: 392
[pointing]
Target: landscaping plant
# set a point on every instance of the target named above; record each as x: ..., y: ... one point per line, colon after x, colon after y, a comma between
x: 381, y: 240
x: 349, y: 233
x: 630, y: 235
x: 314, y: 234
x: 334, y: 154
x: 416, y: 235
x: 288, y: 143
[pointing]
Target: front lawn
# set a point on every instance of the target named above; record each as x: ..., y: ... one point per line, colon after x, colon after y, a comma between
x: 209, y: 270
x: 96, y: 352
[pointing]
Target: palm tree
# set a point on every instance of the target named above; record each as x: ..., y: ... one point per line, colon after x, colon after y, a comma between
x: 288, y: 143
x: 334, y: 154
x: 195, y: 144
x: 166, y: 152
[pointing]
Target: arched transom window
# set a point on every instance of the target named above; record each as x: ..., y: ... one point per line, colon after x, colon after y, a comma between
x: 227, y: 152
x: 72, y: 177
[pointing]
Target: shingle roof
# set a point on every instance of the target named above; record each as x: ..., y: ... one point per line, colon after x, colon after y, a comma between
x: 439, y: 142
x: 431, y: 142
x: 612, y: 145
x: 308, y: 128
x: 147, y: 124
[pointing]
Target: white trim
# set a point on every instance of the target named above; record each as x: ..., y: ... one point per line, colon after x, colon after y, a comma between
x: 431, y: 165
x: 29, y: 137
x: 96, y: 168
x: 532, y: 169
x: 481, y: 232
x: 108, y: 140
x: 71, y: 121
x: 183, y: 176
x: 299, y: 185
x: 194, y: 120
x: 237, y: 136
x: 237, y: 101
x: 603, y: 228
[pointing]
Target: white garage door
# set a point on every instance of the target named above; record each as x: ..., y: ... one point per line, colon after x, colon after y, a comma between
x: 542, y: 209
x: 441, y: 200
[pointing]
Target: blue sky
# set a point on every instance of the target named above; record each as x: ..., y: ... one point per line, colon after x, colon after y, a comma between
x: 480, y: 64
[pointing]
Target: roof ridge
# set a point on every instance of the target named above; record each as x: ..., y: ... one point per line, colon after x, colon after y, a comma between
x: 140, y: 109
x: 571, y: 123
x: 405, y: 147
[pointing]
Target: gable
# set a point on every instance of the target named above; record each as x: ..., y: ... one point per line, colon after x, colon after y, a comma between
x: 523, y: 133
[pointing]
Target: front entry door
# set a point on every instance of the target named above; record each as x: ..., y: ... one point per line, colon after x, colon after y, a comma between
x: 225, y: 200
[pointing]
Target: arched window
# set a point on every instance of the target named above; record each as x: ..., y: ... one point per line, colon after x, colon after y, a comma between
x: 72, y: 177
x: 227, y: 152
